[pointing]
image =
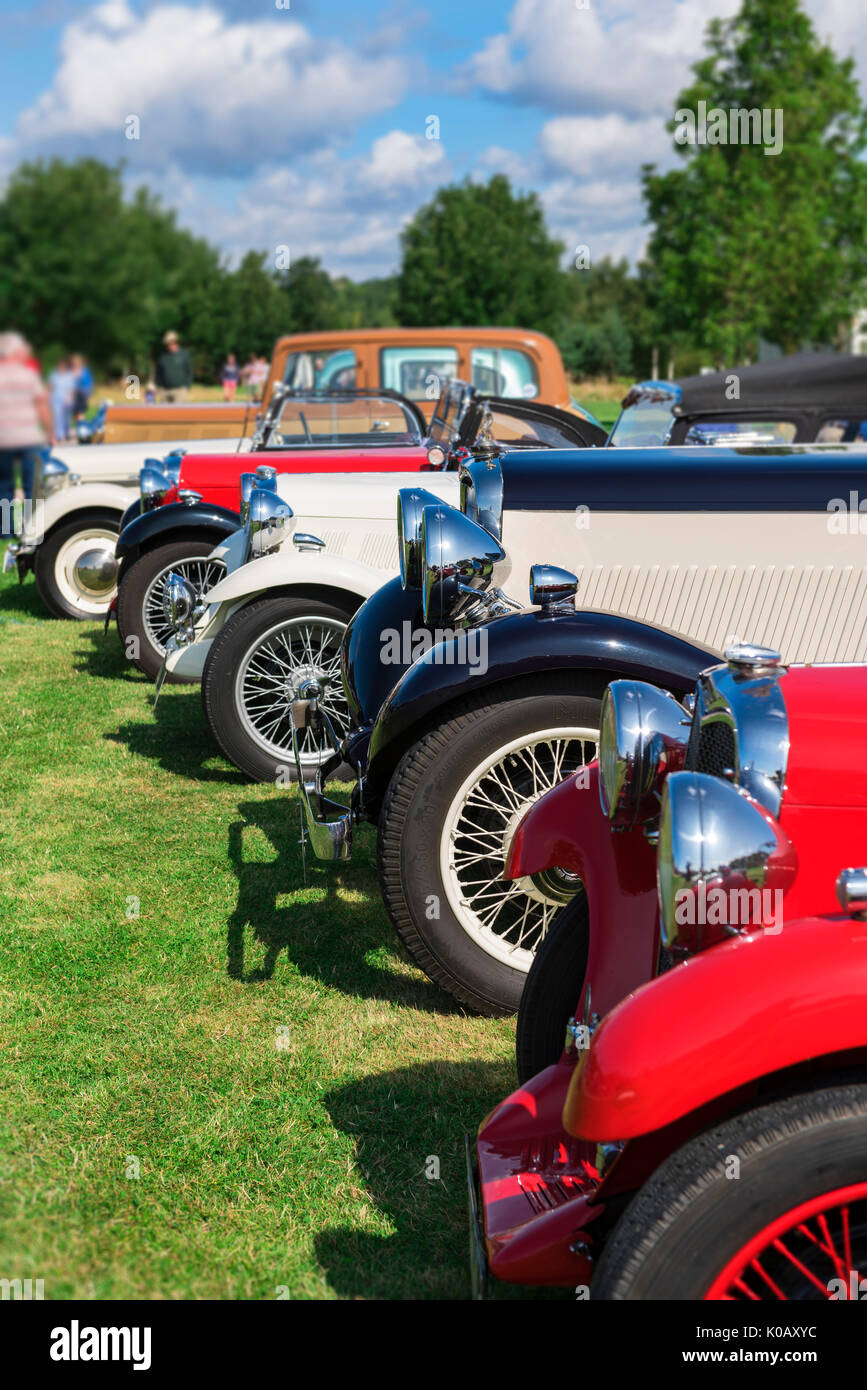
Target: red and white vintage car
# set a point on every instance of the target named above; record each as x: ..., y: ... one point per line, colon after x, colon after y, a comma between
x: 708, y: 1138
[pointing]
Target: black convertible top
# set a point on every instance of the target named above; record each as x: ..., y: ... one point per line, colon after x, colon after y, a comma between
x: 805, y: 380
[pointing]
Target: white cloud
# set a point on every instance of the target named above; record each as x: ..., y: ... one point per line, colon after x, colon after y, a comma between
x: 586, y: 146
x: 210, y: 94
x: 347, y: 211
x: 626, y: 56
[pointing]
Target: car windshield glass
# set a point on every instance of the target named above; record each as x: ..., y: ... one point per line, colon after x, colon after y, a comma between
x: 740, y: 432
x: 531, y: 433
x: 647, y: 421
x: 313, y: 421
x: 448, y: 414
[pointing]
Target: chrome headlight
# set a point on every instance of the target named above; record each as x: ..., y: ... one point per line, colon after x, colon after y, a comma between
x: 411, y: 502
x: 154, y: 484
x: 264, y: 478
x: 171, y: 465
x: 721, y: 864
x: 267, y: 521
x: 643, y: 737
x: 482, y: 494
x: 179, y: 600
x: 54, y: 475
x: 459, y: 558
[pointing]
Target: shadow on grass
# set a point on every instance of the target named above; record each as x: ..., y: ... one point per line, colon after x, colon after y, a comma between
x: 400, y: 1120
x: 333, y: 938
x: 176, y: 736
x: 104, y: 657
x: 21, y: 599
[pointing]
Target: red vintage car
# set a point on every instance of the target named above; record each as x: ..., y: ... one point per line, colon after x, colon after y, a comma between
x: 191, y: 504
x: 707, y: 1139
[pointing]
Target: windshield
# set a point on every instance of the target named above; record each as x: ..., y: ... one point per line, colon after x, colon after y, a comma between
x: 313, y: 421
x: 449, y: 412
x: 642, y: 421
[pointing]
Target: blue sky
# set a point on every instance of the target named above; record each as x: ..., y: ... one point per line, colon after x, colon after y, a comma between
x: 267, y: 125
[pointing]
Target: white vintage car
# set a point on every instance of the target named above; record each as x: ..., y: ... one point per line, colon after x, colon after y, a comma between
x: 79, y: 497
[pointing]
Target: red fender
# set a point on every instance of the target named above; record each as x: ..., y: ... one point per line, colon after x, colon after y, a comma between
x: 567, y: 828
x: 738, y: 1012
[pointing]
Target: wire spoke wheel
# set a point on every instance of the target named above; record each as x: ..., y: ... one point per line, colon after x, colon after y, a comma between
x: 818, y: 1250
x: 202, y: 573
x: 507, y: 919
x: 277, y: 670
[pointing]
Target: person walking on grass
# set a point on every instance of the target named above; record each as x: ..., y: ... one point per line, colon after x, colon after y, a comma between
x: 230, y: 375
x: 25, y: 422
x: 174, y: 374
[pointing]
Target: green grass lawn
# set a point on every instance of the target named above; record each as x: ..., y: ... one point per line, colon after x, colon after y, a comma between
x: 179, y: 1003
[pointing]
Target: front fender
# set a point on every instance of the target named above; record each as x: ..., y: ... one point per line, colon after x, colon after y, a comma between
x: 526, y: 644
x: 289, y: 566
x: 61, y: 507
x: 158, y: 526
x: 367, y: 678
x: 739, y: 1012
x: 568, y: 829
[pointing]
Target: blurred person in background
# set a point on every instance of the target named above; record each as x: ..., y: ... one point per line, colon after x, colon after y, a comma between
x: 174, y: 374
x: 230, y: 375
x: 61, y: 385
x: 257, y: 375
x: 25, y: 417
x: 83, y: 386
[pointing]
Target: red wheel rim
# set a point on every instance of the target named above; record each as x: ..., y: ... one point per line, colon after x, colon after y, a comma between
x: 800, y: 1253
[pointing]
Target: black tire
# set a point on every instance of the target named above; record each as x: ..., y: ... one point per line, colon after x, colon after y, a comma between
x: 58, y: 593
x: 552, y: 990
x: 690, y: 1219
x: 459, y: 953
x: 146, y: 649
x: 224, y: 674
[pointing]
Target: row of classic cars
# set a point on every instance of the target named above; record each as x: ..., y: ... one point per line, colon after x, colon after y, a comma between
x: 517, y: 870
x: 309, y: 662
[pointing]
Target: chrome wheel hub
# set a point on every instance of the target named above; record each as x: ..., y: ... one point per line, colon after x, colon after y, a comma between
x: 95, y: 571
x: 177, y: 589
x: 298, y: 659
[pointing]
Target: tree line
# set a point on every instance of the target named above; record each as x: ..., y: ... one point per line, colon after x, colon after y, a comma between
x: 745, y: 244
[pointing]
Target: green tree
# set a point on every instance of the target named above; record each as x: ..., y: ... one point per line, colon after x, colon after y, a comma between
x: 82, y: 268
x: 310, y: 297
x: 480, y: 254
x: 748, y: 245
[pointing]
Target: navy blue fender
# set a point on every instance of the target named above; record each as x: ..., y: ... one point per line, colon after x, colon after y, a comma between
x: 515, y: 649
x: 169, y: 523
x: 367, y: 678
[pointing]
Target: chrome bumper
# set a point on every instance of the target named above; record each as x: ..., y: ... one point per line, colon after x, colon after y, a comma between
x: 9, y: 559
x: 327, y: 823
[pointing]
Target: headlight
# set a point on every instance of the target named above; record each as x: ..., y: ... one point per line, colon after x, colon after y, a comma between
x: 643, y: 737
x: 723, y: 862
x: 268, y: 519
x: 154, y: 484
x: 459, y: 558
x: 54, y: 474
x: 171, y: 465
x: 264, y: 478
x: 411, y: 502
x: 482, y: 494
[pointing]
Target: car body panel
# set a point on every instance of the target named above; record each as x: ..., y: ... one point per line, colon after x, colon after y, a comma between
x: 154, y: 526
x: 757, y: 1004
x: 121, y: 463
x: 525, y: 644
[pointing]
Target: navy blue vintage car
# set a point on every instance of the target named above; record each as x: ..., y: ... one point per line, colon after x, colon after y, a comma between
x: 679, y: 553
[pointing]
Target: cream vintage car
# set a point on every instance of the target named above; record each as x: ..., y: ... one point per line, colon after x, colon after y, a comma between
x: 69, y: 532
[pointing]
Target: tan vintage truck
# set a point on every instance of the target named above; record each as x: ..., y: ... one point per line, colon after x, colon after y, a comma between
x: 512, y: 362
